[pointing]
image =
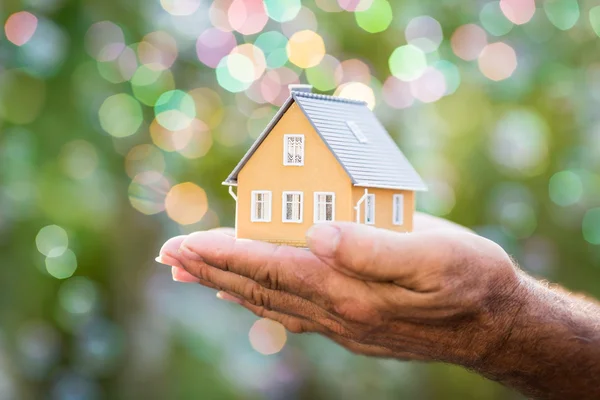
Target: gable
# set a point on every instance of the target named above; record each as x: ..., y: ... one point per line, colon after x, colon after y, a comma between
x: 266, y: 167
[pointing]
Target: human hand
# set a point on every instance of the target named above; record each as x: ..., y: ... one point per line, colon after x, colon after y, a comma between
x: 439, y: 293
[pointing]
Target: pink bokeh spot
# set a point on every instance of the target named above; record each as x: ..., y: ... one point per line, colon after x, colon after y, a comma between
x: 518, y: 12
x: 247, y: 16
x: 396, y: 93
x: 20, y: 27
x: 213, y: 45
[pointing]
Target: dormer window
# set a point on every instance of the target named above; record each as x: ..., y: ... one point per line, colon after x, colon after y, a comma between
x: 358, y: 133
x: 293, y: 150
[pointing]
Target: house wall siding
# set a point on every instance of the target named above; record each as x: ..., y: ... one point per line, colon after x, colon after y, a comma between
x: 384, y: 210
x: 321, y: 172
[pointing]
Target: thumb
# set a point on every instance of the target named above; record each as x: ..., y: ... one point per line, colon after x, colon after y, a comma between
x: 366, y: 252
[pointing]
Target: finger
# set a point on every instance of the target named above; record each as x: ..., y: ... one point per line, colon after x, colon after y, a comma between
x: 299, y: 325
x: 168, y: 252
x: 258, y: 295
x: 171, y: 246
x: 279, y: 268
x: 376, y: 254
x: 181, y: 275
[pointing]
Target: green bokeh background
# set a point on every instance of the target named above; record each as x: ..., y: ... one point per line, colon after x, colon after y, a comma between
x: 517, y: 160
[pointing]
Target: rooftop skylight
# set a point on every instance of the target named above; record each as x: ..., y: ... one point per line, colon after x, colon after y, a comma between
x: 360, y: 136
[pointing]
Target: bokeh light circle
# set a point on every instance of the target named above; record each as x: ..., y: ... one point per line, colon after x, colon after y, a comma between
x: 186, y: 203
x: 357, y: 91
x: 323, y: 76
x: 407, y: 62
x: 147, y: 192
x: 175, y: 110
x: 493, y: 19
x: 397, y: 93
x: 52, y: 241
x: 424, y: 32
x: 235, y: 73
x: 282, y: 10
x: 62, y: 266
x: 267, y: 337
x: 214, y: 44
x: 158, y: 51
x: 468, y: 41
x: 565, y: 188
x: 247, y: 16
x: 563, y: 14
x: 377, y: 18
x: 430, y: 86
x: 498, y: 61
x: 518, y: 12
x: 20, y: 27
x: 250, y: 66
x: 104, y: 41
x: 306, y: 49
x: 352, y: 70
x: 120, y: 115
x: 273, y: 45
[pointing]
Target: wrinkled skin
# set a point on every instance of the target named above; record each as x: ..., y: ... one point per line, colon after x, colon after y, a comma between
x: 440, y: 293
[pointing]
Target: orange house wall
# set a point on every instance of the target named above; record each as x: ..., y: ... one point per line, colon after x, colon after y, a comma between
x: 321, y: 172
x: 384, y: 210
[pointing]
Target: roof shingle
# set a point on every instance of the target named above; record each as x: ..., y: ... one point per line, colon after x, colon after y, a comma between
x: 378, y: 162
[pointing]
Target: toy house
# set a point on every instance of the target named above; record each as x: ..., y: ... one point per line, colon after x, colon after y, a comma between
x: 322, y: 158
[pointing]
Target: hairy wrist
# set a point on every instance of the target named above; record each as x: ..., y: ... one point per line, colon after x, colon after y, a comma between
x: 551, y: 345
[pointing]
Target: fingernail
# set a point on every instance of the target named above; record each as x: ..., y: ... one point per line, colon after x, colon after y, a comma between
x: 323, y: 239
x: 228, y: 297
x: 167, y: 260
x: 181, y: 275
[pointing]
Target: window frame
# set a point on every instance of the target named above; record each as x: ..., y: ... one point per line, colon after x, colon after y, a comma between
x: 268, y: 208
x: 284, y: 207
x: 369, y: 195
x: 398, y: 218
x: 285, y: 149
x: 316, y: 206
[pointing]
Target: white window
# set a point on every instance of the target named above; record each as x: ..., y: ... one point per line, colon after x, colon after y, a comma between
x: 324, y: 206
x: 293, y: 149
x: 292, y: 207
x: 398, y: 204
x: 261, y: 206
x: 360, y: 136
x: 370, y: 209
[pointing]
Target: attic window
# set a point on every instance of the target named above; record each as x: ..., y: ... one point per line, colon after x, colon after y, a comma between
x: 360, y: 136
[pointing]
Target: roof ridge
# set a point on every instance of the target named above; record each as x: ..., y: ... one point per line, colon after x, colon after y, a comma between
x: 327, y: 97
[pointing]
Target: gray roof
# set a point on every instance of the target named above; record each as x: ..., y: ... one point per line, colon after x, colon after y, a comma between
x: 376, y: 163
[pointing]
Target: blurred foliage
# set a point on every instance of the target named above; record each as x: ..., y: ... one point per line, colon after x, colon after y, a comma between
x: 119, y: 119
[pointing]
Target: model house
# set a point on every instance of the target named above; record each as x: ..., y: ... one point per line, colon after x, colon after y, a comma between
x: 322, y: 158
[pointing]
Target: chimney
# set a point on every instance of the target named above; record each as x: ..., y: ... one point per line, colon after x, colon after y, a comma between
x: 296, y: 87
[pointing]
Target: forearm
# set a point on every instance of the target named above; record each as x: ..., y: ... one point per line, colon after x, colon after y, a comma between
x: 552, y: 350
